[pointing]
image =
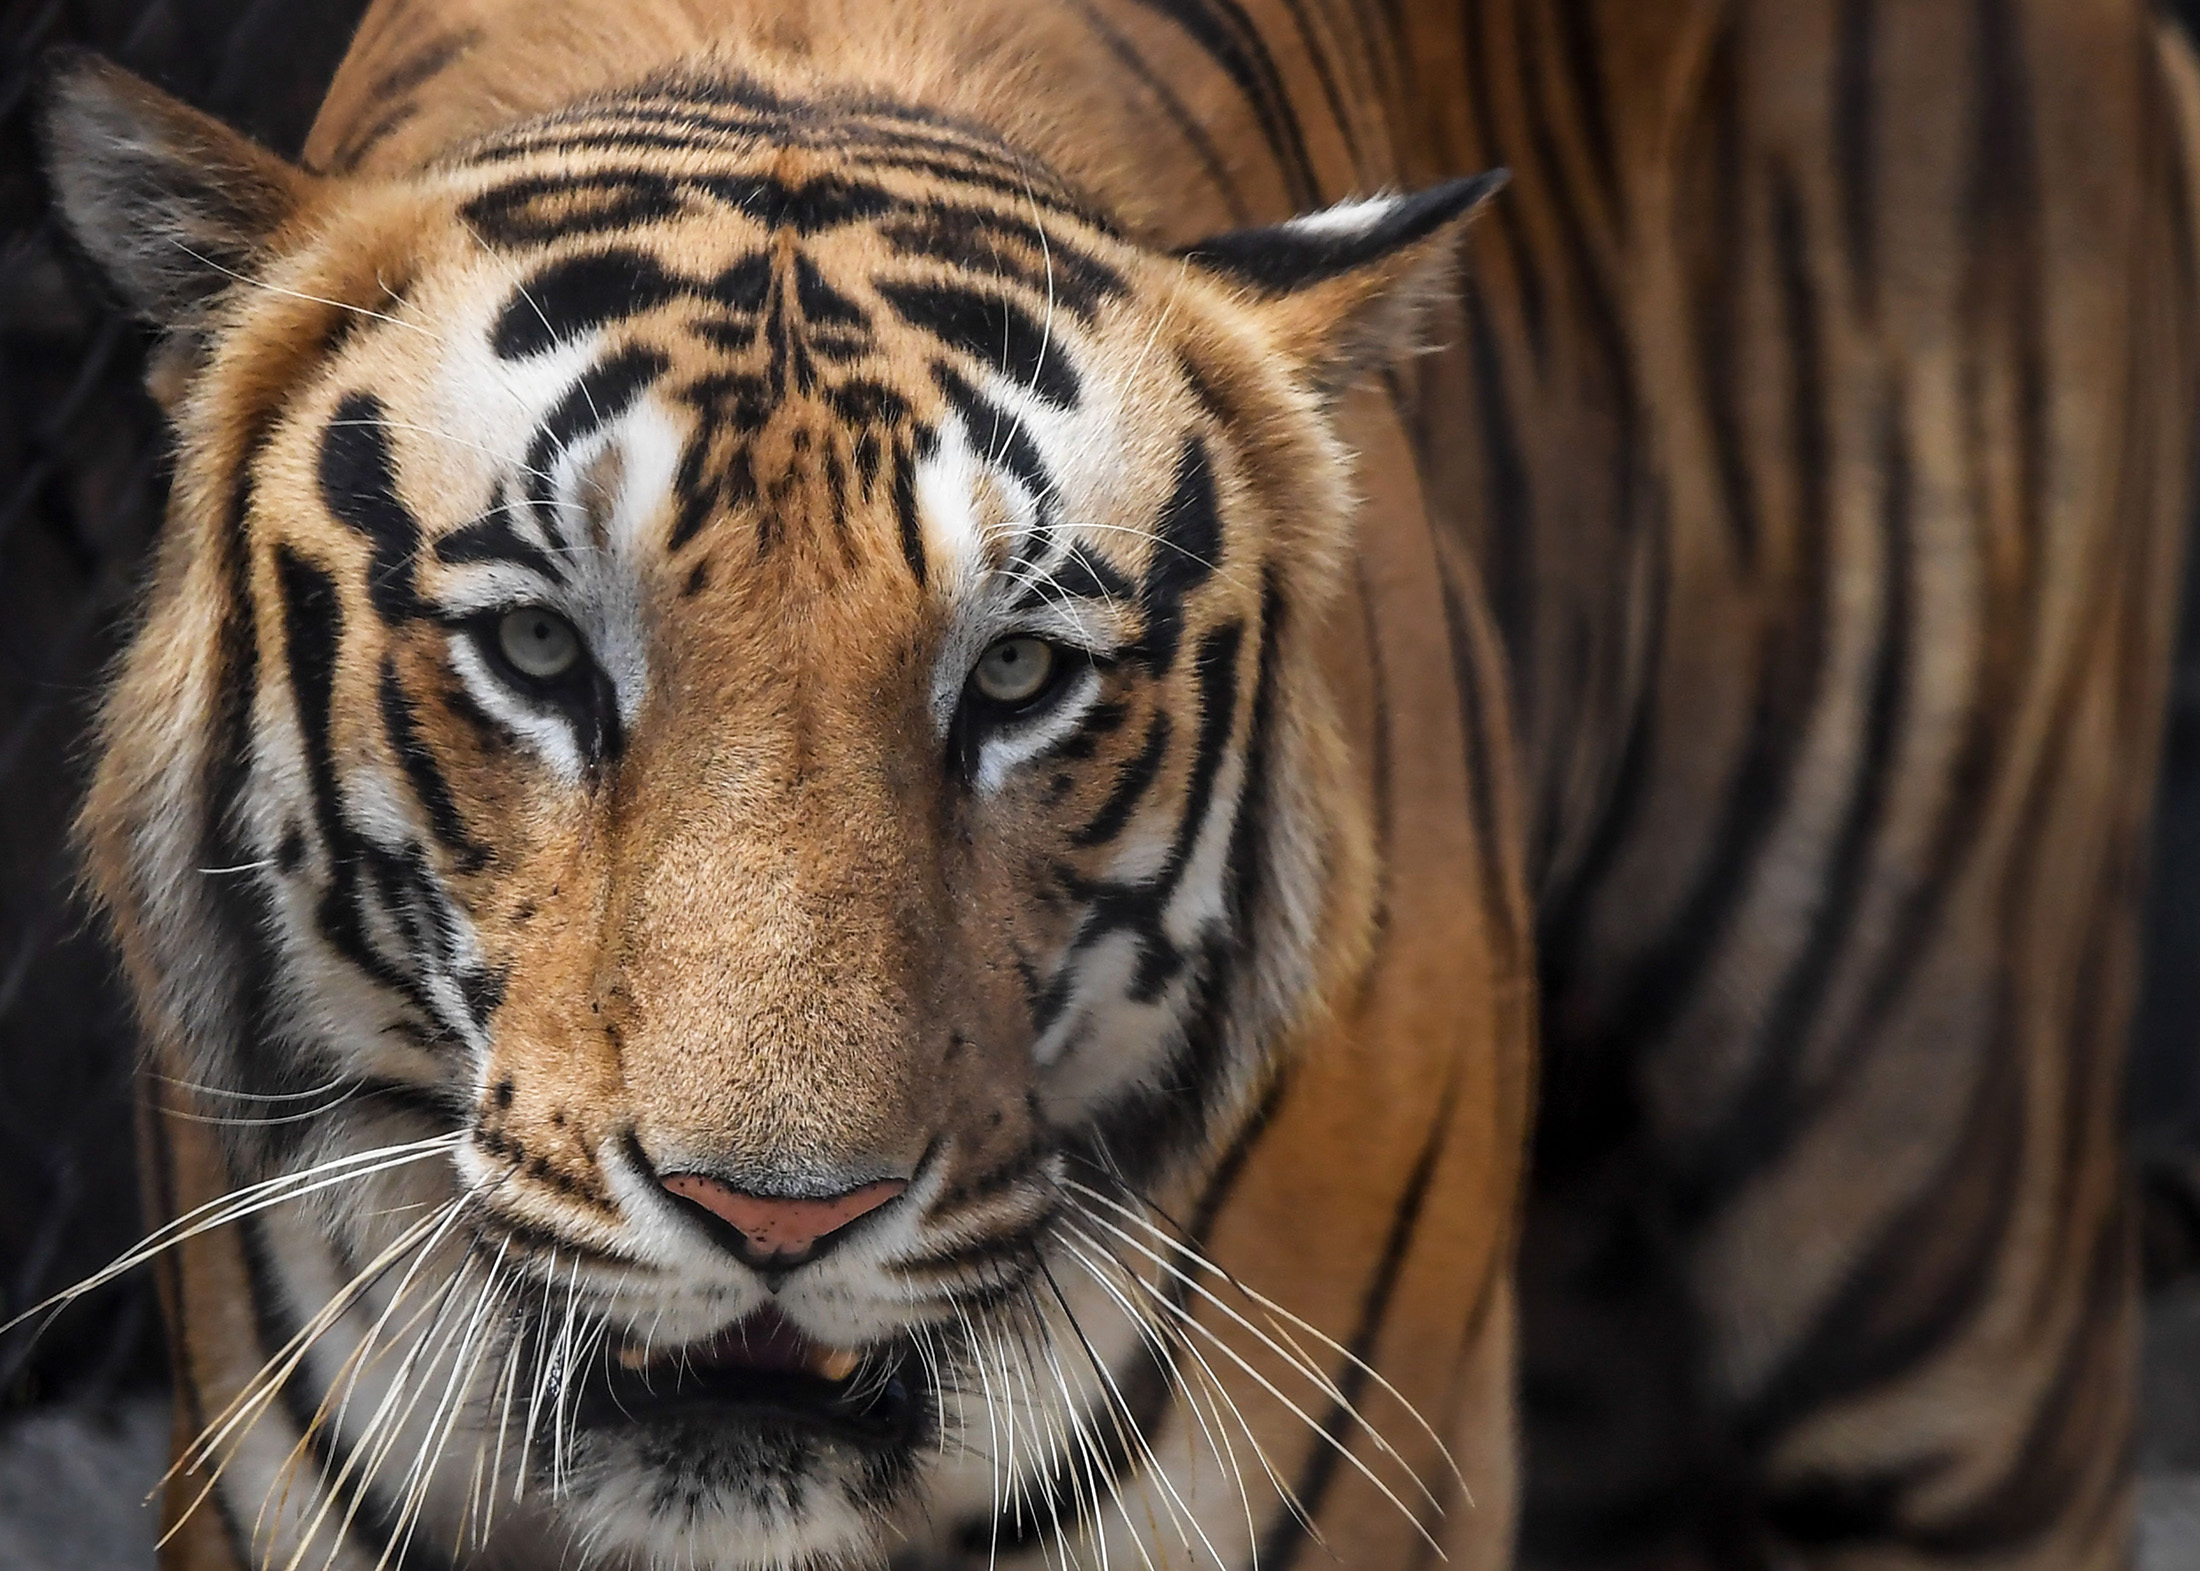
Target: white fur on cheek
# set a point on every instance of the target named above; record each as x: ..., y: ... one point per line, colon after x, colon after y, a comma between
x: 548, y: 735
x: 1000, y: 755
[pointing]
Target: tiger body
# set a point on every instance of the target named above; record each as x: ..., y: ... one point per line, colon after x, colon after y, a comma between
x: 1737, y: 651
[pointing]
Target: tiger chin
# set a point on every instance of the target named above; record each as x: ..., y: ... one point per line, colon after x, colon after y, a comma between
x: 734, y: 761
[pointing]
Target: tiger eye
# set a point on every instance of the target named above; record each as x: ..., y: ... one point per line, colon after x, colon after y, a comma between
x: 1014, y: 671
x: 539, y: 643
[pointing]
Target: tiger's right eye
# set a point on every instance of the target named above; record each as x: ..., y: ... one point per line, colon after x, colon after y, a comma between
x: 539, y: 643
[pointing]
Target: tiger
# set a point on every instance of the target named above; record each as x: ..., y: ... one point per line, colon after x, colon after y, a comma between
x: 1149, y: 782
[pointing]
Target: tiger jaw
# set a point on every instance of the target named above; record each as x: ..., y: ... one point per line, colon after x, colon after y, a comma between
x: 764, y: 1373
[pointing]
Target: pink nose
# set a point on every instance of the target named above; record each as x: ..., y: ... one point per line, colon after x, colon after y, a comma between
x: 782, y: 1229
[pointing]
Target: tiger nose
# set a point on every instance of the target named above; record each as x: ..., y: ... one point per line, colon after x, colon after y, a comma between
x: 775, y: 1233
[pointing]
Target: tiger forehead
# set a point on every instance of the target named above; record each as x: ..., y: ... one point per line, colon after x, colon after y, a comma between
x: 807, y: 329
x: 663, y: 207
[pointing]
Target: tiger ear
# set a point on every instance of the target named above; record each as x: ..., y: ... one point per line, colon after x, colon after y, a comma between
x: 1347, y: 288
x: 170, y: 203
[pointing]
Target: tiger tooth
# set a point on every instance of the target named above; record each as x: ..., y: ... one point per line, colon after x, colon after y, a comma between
x: 632, y: 1357
x: 835, y: 1363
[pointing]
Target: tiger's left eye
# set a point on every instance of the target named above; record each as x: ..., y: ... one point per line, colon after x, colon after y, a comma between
x: 539, y: 643
x: 1014, y: 671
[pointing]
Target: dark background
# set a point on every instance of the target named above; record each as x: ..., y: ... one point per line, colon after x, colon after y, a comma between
x: 82, y: 473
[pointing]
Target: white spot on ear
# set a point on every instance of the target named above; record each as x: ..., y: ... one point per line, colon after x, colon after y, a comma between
x: 1354, y: 217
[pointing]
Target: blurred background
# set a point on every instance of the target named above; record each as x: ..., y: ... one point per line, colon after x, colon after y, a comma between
x: 82, y: 476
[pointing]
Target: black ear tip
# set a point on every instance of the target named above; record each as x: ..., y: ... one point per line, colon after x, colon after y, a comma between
x: 71, y: 81
x: 58, y: 62
x: 64, y: 70
x: 1450, y: 199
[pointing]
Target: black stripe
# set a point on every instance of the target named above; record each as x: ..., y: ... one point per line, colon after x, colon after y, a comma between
x: 398, y: 90
x: 751, y: 114
x: 827, y: 202
x: 1582, y: 49
x: 577, y: 294
x: 1125, y: 1146
x: 1080, y: 573
x: 1187, y: 549
x: 1143, y: 907
x: 468, y: 854
x: 1788, y: 671
x: 243, y: 915
x: 1188, y: 125
x: 1131, y: 784
x: 875, y: 132
x: 1720, y: 295
x: 540, y: 208
x: 1854, y: 109
x: 491, y: 539
x: 985, y: 243
x: 1507, y: 495
x: 1317, y: 53
x: 601, y: 394
x: 1483, y: 94
x: 1234, y: 44
x: 1287, y: 1531
x: 1770, y: 1106
x: 992, y: 330
x: 313, y: 621
x: 1002, y: 439
x: 358, y: 483
x: 369, y: 1522
x: 1482, y: 754
x: 528, y: 212
x: 910, y: 527
x: 1578, y: 251
x: 1923, y: 1277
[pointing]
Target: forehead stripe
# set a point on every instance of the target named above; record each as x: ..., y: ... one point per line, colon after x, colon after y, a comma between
x: 530, y: 215
x: 992, y: 330
x: 721, y: 112
x: 599, y: 396
x: 541, y: 208
x: 1000, y: 436
x: 983, y: 242
x: 911, y: 526
x: 576, y: 294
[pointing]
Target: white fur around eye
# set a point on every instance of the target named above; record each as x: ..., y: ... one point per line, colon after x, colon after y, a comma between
x: 548, y: 734
x: 1002, y: 752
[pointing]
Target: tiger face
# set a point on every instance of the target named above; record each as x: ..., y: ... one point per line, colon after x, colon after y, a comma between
x: 771, y: 671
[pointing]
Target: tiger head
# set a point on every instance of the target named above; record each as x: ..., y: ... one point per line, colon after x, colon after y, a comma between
x: 757, y: 664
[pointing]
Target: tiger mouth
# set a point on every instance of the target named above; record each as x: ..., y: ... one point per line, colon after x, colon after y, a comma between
x: 764, y: 1373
